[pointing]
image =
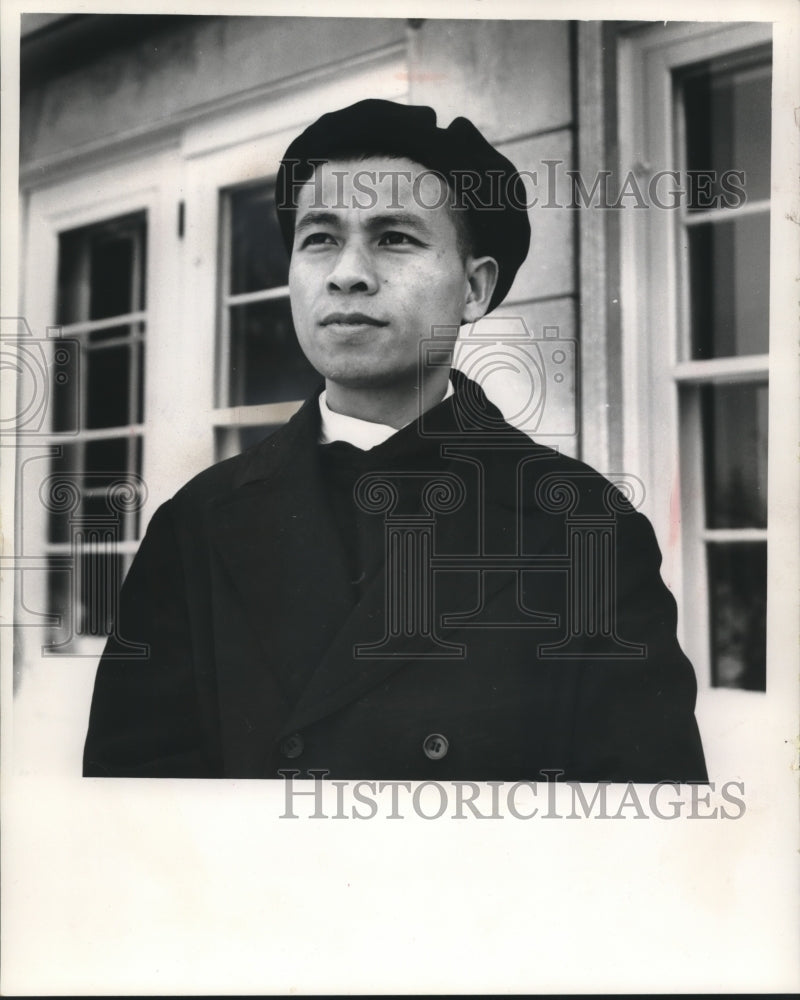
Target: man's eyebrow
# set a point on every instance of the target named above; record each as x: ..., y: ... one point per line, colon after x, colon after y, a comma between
x: 383, y: 220
x: 311, y: 219
x: 405, y: 219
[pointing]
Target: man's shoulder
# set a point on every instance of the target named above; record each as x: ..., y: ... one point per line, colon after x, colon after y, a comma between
x: 555, y: 481
x: 254, y: 464
x: 218, y: 479
x: 479, y: 421
x: 556, y: 465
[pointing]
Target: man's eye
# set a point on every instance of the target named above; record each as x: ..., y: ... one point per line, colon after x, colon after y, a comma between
x: 317, y: 239
x: 398, y: 239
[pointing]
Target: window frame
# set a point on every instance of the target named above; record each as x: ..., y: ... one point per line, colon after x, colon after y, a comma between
x: 227, y: 419
x: 662, y: 438
x: 145, y: 185
x: 80, y: 438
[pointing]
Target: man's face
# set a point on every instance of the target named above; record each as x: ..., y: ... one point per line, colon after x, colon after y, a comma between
x: 372, y: 273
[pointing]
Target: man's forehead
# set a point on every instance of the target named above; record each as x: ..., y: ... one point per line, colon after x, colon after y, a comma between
x: 375, y: 183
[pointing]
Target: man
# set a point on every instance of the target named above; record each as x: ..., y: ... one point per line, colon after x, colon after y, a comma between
x: 397, y: 584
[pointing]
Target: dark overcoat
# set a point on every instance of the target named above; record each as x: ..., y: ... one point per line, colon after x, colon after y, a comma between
x: 534, y: 631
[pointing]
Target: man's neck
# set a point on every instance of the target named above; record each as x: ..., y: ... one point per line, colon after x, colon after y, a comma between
x: 392, y: 405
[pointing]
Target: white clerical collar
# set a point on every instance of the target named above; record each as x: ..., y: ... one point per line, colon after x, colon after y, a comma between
x: 363, y: 434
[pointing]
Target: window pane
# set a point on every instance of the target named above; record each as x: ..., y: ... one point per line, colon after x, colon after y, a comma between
x: 727, y: 119
x: 729, y: 287
x: 258, y: 257
x: 107, y: 381
x: 60, y: 600
x: 108, y: 457
x: 737, y: 575
x: 98, y: 584
x: 103, y: 461
x: 63, y: 495
x: 73, y: 278
x: 735, y: 453
x: 113, y: 370
x: 101, y: 270
x: 84, y: 595
x: 115, y: 271
x: 84, y: 471
x: 137, y: 394
x: 65, y: 385
x: 267, y: 365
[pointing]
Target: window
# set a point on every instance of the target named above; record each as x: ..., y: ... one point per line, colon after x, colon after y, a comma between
x: 723, y: 111
x: 97, y: 424
x: 259, y: 361
x: 696, y: 279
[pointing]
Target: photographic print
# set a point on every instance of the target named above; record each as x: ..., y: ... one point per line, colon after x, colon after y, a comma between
x: 398, y: 432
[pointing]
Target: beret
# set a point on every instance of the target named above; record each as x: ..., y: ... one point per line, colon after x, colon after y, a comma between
x: 484, y: 182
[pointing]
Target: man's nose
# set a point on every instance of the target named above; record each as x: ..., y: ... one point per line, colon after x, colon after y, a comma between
x: 353, y: 271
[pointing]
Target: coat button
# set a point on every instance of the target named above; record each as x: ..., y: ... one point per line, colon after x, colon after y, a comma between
x: 292, y: 746
x: 435, y: 746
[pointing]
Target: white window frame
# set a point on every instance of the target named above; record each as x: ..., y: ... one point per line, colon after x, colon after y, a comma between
x: 655, y: 446
x: 143, y: 184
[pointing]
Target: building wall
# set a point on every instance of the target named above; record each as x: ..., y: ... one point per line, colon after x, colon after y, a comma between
x: 514, y: 79
x: 134, y: 87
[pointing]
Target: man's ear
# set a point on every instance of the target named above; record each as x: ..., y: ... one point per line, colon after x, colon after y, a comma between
x: 482, y: 274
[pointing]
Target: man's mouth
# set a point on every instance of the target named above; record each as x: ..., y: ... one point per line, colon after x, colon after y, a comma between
x: 351, y: 319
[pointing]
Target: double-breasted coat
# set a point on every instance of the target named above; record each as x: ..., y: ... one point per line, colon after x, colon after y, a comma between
x: 542, y: 636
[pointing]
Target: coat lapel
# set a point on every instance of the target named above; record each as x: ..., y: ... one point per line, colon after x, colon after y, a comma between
x: 282, y: 579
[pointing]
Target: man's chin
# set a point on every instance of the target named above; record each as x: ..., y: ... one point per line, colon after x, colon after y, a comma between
x: 371, y: 379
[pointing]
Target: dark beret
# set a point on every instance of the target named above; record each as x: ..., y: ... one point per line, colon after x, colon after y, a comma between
x: 485, y: 184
